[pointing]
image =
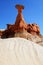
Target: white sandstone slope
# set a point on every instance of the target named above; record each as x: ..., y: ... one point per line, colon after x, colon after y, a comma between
x: 19, y: 51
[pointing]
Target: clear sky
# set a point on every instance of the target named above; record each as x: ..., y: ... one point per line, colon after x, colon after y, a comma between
x: 33, y: 12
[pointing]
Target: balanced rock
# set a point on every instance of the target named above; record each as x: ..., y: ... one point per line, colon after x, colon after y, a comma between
x: 20, y: 23
x: 18, y: 29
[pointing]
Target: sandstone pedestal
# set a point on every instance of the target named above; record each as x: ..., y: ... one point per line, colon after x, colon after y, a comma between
x: 20, y: 23
x: 20, y: 26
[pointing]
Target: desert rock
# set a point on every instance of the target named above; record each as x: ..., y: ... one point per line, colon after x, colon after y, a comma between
x: 20, y: 26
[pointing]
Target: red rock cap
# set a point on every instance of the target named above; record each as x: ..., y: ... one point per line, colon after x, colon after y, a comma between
x: 19, y: 6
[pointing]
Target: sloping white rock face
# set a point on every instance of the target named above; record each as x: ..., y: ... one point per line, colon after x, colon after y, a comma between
x: 19, y: 51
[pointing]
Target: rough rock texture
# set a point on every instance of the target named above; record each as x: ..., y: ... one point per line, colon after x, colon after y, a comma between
x: 28, y: 36
x: 7, y: 34
x: 1, y: 32
x: 33, y: 28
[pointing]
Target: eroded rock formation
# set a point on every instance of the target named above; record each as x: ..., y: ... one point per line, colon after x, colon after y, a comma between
x: 20, y: 25
x: 33, y: 29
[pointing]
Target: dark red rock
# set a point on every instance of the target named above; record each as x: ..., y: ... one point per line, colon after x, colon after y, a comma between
x: 33, y: 28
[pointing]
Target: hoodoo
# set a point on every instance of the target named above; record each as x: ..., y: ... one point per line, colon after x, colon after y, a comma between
x: 20, y: 25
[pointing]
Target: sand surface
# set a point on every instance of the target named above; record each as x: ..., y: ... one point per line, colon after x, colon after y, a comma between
x: 19, y: 51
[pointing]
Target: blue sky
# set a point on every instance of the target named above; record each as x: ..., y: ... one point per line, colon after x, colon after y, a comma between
x: 33, y: 12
